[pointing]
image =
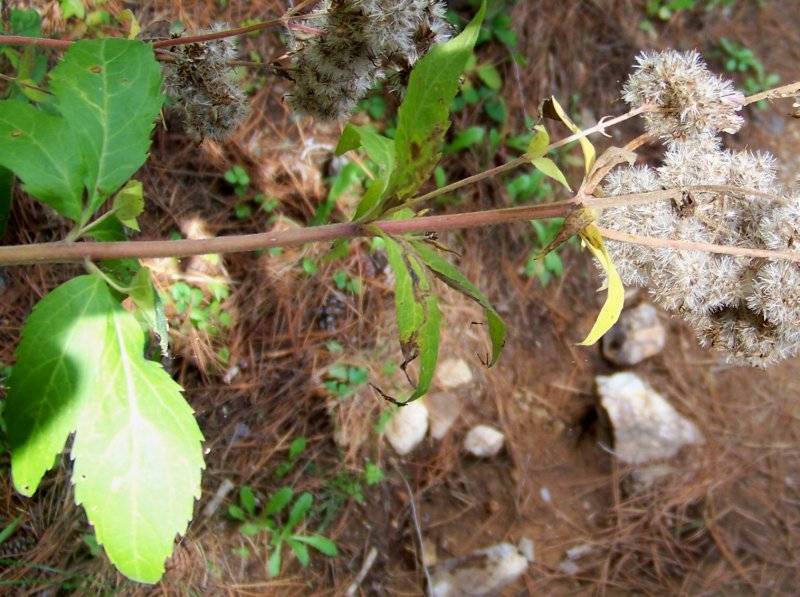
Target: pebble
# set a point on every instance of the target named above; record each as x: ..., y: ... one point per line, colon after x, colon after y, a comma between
x: 637, y: 335
x: 408, y: 427
x: 484, y: 441
x: 646, y: 427
x: 444, y: 410
x: 479, y: 574
x: 453, y: 373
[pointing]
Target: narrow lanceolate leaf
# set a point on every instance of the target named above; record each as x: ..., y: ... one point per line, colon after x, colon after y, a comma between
x: 80, y: 367
x: 449, y: 274
x: 137, y: 453
x: 52, y: 379
x: 417, y: 309
x: 40, y: 149
x: 380, y: 150
x: 612, y: 308
x: 108, y: 92
x: 424, y: 113
x: 552, y: 109
x: 548, y: 167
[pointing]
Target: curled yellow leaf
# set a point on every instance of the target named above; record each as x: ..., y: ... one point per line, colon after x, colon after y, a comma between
x: 615, y: 299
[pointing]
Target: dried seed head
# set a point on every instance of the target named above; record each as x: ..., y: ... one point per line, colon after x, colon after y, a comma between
x: 358, y: 41
x: 693, y: 101
x: 200, y: 83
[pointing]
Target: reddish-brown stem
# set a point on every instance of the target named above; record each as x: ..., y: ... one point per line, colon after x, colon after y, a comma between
x: 66, y: 252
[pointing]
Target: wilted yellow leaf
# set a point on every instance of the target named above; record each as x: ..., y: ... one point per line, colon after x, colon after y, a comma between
x: 586, y: 145
x: 609, y: 314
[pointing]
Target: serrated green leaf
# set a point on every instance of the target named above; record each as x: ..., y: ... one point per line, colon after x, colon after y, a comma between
x: 137, y: 453
x: 108, y: 91
x: 449, y: 274
x: 539, y: 143
x: 40, y: 149
x: 423, y: 117
x: 129, y: 204
x: 615, y: 298
x: 6, y: 197
x: 417, y: 312
x: 548, y: 167
x: 321, y: 544
x: 52, y: 378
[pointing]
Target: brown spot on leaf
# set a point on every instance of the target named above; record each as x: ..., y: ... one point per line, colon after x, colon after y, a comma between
x: 96, y: 69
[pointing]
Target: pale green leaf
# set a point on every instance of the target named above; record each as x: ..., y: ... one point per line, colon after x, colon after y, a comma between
x: 548, y: 167
x: 490, y: 77
x: 423, y: 117
x: 146, y: 299
x: 539, y: 143
x: 615, y: 299
x: 108, y: 91
x: 40, y: 149
x: 586, y: 145
x: 320, y: 543
x: 53, y: 377
x: 137, y: 452
x: 417, y: 312
x: 380, y: 150
x: 129, y: 204
x: 450, y: 275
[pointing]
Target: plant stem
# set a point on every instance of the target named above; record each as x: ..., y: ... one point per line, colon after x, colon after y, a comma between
x: 790, y: 90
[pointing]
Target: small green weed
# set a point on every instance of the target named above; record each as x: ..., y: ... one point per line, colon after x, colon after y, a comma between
x: 343, y: 380
x: 297, y: 447
x: 282, y: 528
x: 741, y: 59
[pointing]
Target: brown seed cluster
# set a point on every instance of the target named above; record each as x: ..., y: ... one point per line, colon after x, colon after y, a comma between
x: 200, y: 84
x: 747, y: 307
x: 358, y: 42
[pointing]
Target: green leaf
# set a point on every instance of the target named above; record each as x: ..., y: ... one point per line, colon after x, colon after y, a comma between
x: 274, y: 562
x: 247, y: 499
x: 299, y: 509
x: 539, y: 143
x: 6, y: 197
x: 40, y: 149
x: 279, y: 500
x: 490, y: 77
x: 237, y: 513
x: 466, y: 139
x: 129, y: 204
x: 423, y: 117
x: 109, y: 93
x: 300, y: 550
x: 137, y: 452
x: 417, y: 312
x: 450, y: 275
x: 145, y: 297
x: 380, y: 150
x: 548, y: 167
x: 72, y: 8
x: 321, y: 544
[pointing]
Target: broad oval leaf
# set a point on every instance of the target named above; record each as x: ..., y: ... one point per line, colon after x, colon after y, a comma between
x: 108, y: 91
x: 137, y: 452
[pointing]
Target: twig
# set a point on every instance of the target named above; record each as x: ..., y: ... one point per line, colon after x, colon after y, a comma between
x: 789, y: 90
x: 695, y: 246
x: 417, y: 528
x: 362, y: 574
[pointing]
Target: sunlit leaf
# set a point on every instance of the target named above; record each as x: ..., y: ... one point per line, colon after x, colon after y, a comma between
x: 552, y: 106
x: 129, y: 204
x: 539, y: 143
x: 548, y: 167
x: 615, y: 299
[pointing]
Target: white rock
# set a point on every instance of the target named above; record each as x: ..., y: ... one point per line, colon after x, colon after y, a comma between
x: 646, y: 427
x: 408, y: 427
x: 444, y: 409
x: 483, y: 572
x: 453, y: 373
x: 637, y: 336
x: 484, y: 441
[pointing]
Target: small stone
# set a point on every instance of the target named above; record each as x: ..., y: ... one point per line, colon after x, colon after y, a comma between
x: 484, y: 441
x: 527, y: 548
x: 444, y: 409
x: 646, y: 426
x: 637, y: 336
x: 453, y: 373
x: 408, y: 427
x: 481, y: 573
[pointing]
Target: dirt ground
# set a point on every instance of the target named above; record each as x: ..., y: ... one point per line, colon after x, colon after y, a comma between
x: 725, y: 522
